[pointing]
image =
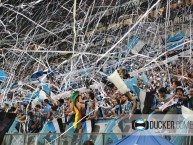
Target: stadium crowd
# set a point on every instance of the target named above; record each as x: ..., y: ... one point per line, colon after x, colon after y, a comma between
x: 177, y: 82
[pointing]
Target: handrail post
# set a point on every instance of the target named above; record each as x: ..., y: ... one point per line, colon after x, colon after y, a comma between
x: 103, y: 139
x: 24, y: 139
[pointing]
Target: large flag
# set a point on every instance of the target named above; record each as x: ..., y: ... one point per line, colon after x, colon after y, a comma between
x: 118, y: 82
x: 41, y: 76
x: 43, y: 133
x: 6, y: 120
x: 54, y: 126
x: 109, y: 129
x: 46, y: 89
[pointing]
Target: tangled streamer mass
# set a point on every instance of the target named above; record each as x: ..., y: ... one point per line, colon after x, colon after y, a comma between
x: 78, y: 62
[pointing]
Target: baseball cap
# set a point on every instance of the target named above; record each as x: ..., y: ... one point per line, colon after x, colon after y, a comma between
x: 179, y: 88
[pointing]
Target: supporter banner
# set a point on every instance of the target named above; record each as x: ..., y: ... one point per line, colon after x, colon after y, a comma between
x: 168, y: 104
x: 177, y: 20
x: 162, y: 24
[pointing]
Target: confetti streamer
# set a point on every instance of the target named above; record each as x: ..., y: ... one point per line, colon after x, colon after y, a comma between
x: 83, y: 42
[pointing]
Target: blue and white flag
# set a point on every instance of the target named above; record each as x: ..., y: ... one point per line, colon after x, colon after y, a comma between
x: 176, y: 41
x: 175, y: 45
x: 46, y: 89
x: 130, y: 83
x: 132, y: 43
x: 43, y: 133
x: 176, y: 37
x: 145, y: 79
x: 135, y: 45
x: 50, y: 126
x: 37, y: 74
x: 109, y: 128
x: 54, y: 126
x: 42, y: 96
x: 3, y: 75
x: 141, y: 96
x: 86, y: 126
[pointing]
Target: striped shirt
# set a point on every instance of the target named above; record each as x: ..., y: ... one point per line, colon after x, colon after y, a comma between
x: 54, y: 114
x: 61, y: 109
x: 37, y: 115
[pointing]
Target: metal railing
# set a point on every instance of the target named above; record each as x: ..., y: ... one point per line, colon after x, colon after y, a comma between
x: 76, y: 138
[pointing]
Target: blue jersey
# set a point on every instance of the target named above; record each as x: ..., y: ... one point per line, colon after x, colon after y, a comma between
x: 117, y: 109
x: 127, y: 107
x: 46, y: 110
x: 105, y: 111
